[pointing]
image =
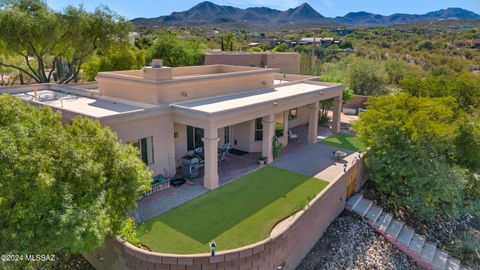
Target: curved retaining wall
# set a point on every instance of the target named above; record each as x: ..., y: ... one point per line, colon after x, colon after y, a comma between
x: 283, y: 250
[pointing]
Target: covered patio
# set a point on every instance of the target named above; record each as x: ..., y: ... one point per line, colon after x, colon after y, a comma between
x: 237, y: 165
x: 262, y: 106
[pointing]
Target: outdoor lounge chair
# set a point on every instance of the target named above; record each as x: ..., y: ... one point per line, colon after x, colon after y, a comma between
x: 223, y: 152
x: 291, y: 135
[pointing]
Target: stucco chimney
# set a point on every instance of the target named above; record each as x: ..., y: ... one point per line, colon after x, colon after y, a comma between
x: 157, y: 72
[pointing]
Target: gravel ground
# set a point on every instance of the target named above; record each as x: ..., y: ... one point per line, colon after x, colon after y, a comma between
x: 349, y: 243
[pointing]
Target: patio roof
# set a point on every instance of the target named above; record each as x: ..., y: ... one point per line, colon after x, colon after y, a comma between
x: 243, y: 100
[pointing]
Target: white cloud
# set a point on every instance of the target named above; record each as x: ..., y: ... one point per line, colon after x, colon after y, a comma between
x: 279, y: 4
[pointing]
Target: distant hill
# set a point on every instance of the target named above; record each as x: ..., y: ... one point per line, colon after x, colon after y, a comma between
x: 369, y: 19
x: 210, y: 14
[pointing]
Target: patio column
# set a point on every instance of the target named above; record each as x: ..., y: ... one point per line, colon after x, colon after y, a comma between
x: 285, y: 126
x: 313, y: 122
x: 337, y: 112
x: 268, y: 133
x: 210, y: 151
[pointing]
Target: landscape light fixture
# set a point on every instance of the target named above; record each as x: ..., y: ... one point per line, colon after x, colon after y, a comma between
x: 212, y: 248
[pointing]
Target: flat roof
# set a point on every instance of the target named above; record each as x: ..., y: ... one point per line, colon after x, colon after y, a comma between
x: 248, y: 53
x: 78, y: 104
x: 249, y: 98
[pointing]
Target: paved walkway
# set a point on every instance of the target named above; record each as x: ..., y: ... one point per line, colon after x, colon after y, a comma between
x: 160, y: 202
x: 310, y: 159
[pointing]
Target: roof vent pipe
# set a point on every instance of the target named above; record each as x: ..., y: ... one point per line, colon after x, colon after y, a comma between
x: 157, y: 63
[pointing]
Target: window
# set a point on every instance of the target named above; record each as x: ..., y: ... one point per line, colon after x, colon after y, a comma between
x: 194, y: 137
x: 258, y: 129
x: 145, y: 145
x: 226, y: 135
x: 292, y: 114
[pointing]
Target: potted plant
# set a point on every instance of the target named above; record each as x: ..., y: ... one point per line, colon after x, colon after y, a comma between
x: 262, y: 160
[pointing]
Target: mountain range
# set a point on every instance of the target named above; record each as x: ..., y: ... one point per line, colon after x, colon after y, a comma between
x: 210, y: 14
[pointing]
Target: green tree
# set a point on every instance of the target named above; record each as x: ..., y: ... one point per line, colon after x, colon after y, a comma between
x: 412, y: 156
x: 55, y: 44
x: 395, y: 70
x: 121, y: 58
x: 464, y: 87
x: 62, y: 188
x: 228, y: 42
x: 366, y: 77
x: 281, y: 48
x: 176, y: 52
x: 255, y: 49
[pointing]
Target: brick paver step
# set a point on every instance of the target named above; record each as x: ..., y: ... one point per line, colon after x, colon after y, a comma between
x: 393, y: 230
x: 415, y: 246
x: 382, y: 222
x: 440, y: 259
x: 353, y: 200
x: 373, y: 213
x: 452, y: 264
x: 404, y: 237
x: 362, y: 207
x: 427, y: 253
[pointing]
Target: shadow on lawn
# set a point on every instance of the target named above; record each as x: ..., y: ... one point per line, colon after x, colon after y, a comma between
x: 210, y: 215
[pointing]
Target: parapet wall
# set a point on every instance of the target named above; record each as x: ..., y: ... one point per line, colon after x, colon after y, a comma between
x: 283, y: 250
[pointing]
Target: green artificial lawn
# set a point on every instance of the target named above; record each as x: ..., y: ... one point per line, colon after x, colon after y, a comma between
x: 236, y: 214
x: 345, y: 141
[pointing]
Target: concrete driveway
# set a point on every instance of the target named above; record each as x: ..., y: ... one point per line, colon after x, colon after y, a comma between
x: 310, y: 159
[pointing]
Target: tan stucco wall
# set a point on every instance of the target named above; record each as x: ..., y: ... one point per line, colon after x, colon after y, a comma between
x: 187, y: 86
x: 286, y: 62
x: 302, y: 117
x: 127, y: 89
x: 187, y: 90
x: 161, y: 128
x: 241, y: 133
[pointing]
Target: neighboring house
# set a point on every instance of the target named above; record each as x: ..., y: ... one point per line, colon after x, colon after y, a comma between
x: 285, y: 62
x: 469, y: 43
x: 167, y: 111
x: 327, y: 41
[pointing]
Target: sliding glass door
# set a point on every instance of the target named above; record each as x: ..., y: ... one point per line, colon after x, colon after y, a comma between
x: 194, y: 137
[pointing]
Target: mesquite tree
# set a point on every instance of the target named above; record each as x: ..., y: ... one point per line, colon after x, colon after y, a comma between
x: 54, y: 44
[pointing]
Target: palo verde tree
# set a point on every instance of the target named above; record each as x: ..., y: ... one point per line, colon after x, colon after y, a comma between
x: 55, y: 44
x: 62, y: 187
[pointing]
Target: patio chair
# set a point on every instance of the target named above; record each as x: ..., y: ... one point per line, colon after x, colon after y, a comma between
x: 291, y: 135
x: 223, y: 152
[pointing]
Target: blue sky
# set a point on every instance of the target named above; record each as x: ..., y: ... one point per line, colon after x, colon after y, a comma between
x: 330, y: 8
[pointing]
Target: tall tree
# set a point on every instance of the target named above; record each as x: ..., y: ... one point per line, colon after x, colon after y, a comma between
x: 53, y: 44
x: 178, y: 52
x: 62, y: 188
x: 414, y: 149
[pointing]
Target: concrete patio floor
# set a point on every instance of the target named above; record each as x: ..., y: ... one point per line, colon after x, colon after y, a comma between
x: 297, y: 156
x: 309, y: 159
